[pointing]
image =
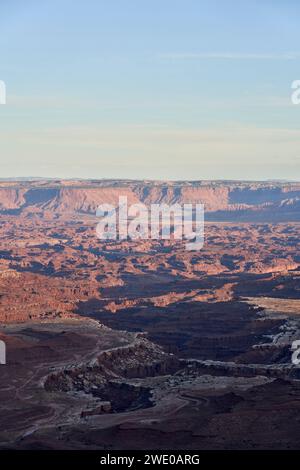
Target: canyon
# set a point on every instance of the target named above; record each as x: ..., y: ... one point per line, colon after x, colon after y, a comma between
x: 140, y: 344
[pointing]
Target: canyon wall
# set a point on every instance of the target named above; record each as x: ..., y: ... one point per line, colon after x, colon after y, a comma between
x: 241, y: 201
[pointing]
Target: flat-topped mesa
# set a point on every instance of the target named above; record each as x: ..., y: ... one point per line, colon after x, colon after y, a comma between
x: 223, y: 200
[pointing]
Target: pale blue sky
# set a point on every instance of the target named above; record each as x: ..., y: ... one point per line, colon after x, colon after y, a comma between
x: 166, y: 89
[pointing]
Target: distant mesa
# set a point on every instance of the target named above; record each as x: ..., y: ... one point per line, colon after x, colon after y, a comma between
x: 269, y: 201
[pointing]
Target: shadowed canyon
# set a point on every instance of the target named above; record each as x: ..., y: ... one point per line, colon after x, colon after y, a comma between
x: 140, y: 344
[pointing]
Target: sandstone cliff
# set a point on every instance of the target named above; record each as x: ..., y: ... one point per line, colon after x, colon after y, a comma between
x: 223, y: 200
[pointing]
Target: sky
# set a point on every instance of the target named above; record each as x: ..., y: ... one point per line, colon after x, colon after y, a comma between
x: 160, y: 89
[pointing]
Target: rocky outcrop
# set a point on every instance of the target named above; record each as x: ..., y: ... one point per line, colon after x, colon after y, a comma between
x: 139, y: 359
x: 282, y: 371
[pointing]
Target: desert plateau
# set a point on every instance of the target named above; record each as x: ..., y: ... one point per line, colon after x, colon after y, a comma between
x: 142, y: 344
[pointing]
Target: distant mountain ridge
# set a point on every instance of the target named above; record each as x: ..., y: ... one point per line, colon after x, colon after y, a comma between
x: 223, y: 200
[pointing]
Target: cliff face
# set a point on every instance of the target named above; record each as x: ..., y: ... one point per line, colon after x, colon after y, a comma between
x: 11, y: 198
x: 214, y: 198
x: 222, y: 200
x: 139, y: 359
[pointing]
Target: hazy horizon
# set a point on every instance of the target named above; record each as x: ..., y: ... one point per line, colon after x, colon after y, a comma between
x: 159, y: 180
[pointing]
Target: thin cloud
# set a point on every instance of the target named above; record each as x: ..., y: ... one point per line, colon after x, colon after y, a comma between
x: 228, y: 56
